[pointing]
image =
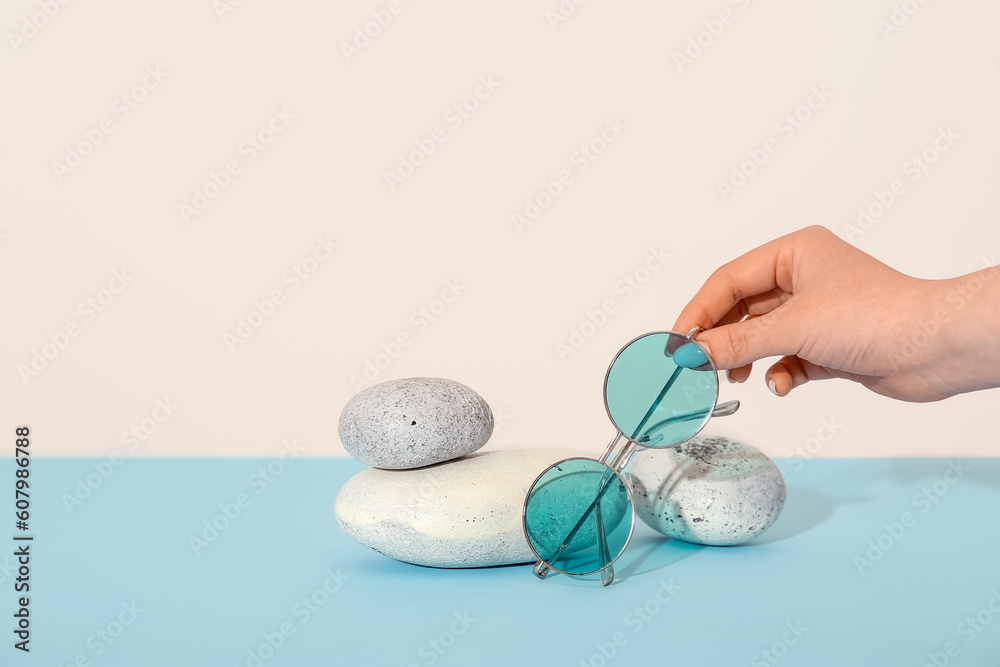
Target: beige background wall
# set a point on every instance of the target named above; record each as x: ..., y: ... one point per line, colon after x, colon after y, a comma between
x: 200, y: 80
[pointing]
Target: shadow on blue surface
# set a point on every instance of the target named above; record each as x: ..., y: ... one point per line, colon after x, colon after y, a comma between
x: 651, y: 552
x: 647, y: 552
x: 804, y: 510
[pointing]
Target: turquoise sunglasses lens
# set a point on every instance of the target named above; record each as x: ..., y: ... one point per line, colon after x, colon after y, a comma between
x: 661, y: 389
x: 568, y: 527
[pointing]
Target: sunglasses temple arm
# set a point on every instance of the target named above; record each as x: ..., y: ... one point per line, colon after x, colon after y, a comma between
x: 722, y: 410
x: 726, y: 409
x: 607, y: 570
x: 656, y: 403
x: 605, y: 485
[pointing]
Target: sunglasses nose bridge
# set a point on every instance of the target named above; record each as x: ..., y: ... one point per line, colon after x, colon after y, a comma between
x: 608, y: 571
x: 623, y: 457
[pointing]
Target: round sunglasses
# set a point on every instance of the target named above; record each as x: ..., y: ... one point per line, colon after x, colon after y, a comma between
x: 660, y: 391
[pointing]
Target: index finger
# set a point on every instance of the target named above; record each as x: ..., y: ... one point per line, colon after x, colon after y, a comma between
x: 754, y: 273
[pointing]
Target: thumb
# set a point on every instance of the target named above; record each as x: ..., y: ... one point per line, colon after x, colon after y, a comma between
x: 741, y: 343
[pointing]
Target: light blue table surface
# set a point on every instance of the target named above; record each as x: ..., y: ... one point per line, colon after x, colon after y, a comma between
x: 117, y: 582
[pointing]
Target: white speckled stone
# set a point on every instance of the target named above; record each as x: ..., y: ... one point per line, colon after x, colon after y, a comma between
x: 464, y: 513
x: 710, y: 490
x: 414, y: 422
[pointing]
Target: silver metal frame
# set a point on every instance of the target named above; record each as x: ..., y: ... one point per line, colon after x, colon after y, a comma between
x: 618, y: 464
x: 543, y: 568
x: 715, y: 400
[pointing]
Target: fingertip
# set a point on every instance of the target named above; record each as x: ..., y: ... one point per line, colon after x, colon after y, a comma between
x: 740, y: 374
x: 779, y: 380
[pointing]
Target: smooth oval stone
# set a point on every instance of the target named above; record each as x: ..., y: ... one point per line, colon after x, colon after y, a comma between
x: 464, y: 513
x: 414, y: 422
x: 710, y: 490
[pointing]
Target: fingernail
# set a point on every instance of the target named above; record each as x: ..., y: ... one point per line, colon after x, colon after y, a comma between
x: 770, y: 385
x: 729, y: 379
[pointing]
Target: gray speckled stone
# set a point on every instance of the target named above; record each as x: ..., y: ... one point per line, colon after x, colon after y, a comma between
x: 414, y: 422
x: 710, y: 490
x: 464, y: 513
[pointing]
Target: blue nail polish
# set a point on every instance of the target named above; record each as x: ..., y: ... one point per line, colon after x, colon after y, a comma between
x: 690, y: 356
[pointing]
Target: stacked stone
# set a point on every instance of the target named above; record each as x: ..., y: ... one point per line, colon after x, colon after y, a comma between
x: 431, y: 497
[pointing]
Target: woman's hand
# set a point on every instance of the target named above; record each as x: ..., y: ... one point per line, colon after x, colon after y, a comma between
x: 835, y: 311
